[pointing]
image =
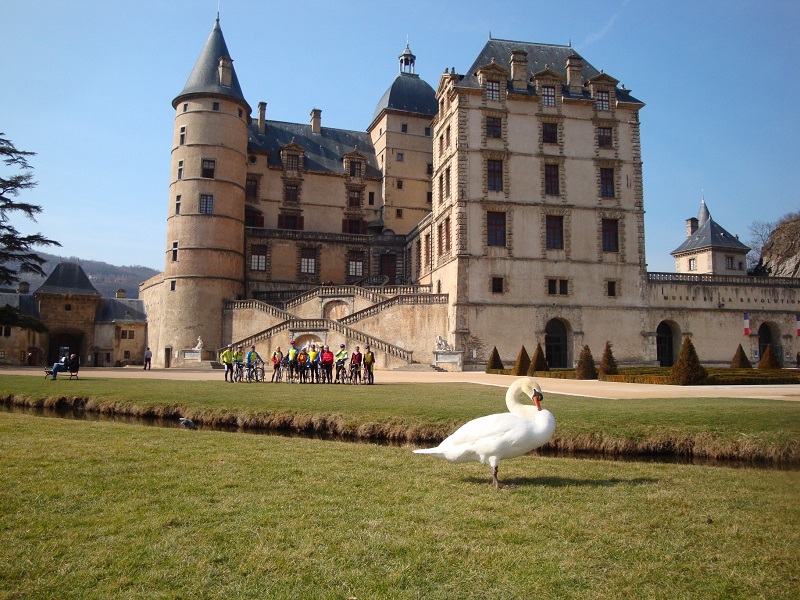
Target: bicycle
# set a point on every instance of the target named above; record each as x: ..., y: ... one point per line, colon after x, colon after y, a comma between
x: 341, y: 372
x: 255, y: 371
x: 238, y: 372
x: 355, y: 373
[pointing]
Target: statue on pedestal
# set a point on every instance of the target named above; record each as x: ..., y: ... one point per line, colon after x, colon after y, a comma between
x: 441, y: 344
x: 199, y: 344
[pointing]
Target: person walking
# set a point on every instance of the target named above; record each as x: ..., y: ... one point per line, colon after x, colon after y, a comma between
x: 226, y: 358
x: 148, y: 359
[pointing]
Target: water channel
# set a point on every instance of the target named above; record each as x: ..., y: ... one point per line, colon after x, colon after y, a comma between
x: 83, y: 415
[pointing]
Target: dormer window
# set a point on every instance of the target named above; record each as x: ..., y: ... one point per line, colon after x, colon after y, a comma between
x: 291, y: 162
x: 548, y: 95
x: 492, y: 90
x: 603, y: 101
x: 355, y: 168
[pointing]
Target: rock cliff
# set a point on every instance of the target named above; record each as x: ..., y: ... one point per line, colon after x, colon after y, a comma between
x: 781, y: 254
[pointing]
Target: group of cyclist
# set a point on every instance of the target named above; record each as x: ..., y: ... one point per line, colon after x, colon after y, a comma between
x: 309, y: 364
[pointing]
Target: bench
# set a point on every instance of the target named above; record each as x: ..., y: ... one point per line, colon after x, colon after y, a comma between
x: 73, y: 373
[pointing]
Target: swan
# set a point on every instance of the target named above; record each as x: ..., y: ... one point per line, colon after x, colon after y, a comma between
x: 492, y: 438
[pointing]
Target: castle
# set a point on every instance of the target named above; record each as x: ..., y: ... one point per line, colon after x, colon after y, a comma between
x: 505, y: 208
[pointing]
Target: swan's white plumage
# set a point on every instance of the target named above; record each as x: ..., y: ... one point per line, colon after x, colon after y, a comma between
x: 492, y: 438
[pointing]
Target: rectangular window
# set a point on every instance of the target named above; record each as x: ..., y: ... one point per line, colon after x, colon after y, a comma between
x: 354, y: 198
x: 258, y: 258
x: 447, y: 234
x: 693, y: 264
x: 610, y: 235
x: 548, y: 95
x: 215, y: 106
x: 603, y: 102
x: 174, y: 251
x: 68, y: 307
x: 292, y: 162
x: 554, y: 232
x: 399, y: 157
x: 494, y: 127
x: 294, y: 222
x: 172, y: 285
x: 558, y: 287
x: 604, y: 137
x: 180, y: 169
x: 209, y: 166
x: 441, y: 144
x: 399, y: 184
x: 430, y: 169
x: 428, y: 256
x: 355, y: 168
x: 353, y: 226
x: 206, y: 204
x: 372, y: 198
x: 124, y: 335
x: 492, y: 90
x: 495, y: 228
x: 440, y: 233
x: 497, y: 285
x: 550, y: 133
x: 126, y: 355
x: 563, y: 287
x: 447, y: 136
x: 290, y: 192
x: 494, y: 172
x: 355, y: 268
x: 607, y: 183
x: 178, y: 204
x: 404, y: 127
x: 251, y: 189
x: 399, y: 213
x: 447, y: 182
x: 427, y: 132
x: 182, y: 139
x: 551, y: 184
x: 429, y: 197
x: 185, y: 107
x: 308, y: 261
x: 611, y: 289
x: 729, y: 262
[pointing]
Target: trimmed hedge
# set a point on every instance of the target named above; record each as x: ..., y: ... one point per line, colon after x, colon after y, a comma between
x: 740, y: 360
x: 494, y: 361
x: 539, y: 362
x: 608, y: 364
x: 585, y: 368
x: 522, y: 363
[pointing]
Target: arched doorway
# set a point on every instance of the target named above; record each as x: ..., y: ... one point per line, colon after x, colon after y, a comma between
x: 306, y: 339
x: 769, y: 336
x: 64, y: 342
x: 556, y: 348
x: 335, y: 310
x: 665, y: 344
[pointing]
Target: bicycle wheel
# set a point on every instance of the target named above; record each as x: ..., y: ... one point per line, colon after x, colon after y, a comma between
x: 260, y: 374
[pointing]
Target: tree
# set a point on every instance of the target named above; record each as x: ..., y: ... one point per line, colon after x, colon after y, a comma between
x: 538, y: 362
x: 740, y: 360
x: 687, y: 370
x: 494, y: 361
x: 522, y: 363
x: 585, y: 369
x: 768, y: 360
x: 608, y: 364
x: 16, y: 250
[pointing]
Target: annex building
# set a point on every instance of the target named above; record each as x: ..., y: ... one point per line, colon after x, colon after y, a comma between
x: 503, y: 208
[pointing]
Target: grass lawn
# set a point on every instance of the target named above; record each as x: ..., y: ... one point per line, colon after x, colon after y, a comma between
x: 423, y: 413
x: 108, y: 510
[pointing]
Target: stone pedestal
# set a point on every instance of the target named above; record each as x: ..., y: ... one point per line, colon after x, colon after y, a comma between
x: 449, y: 360
x: 194, y: 356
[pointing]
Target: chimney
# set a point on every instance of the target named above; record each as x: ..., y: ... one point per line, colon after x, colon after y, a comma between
x: 225, y: 71
x: 574, y: 79
x: 262, y: 115
x: 316, y: 120
x: 24, y: 287
x: 691, y: 226
x: 519, y: 69
x: 120, y: 293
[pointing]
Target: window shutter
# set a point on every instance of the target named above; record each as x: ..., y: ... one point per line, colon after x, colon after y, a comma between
x: 280, y: 221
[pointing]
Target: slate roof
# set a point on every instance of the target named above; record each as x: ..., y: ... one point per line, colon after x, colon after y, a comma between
x: 204, y: 79
x: 408, y: 93
x: 709, y: 234
x: 540, y: 56
x: 125, y: 310
x: 324, y: 150
x: 68, y: 278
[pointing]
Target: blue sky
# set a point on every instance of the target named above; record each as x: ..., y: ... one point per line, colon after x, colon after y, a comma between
x: 88, y: 86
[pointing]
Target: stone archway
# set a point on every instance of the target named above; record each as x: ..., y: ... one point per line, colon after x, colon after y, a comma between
x: 71, y: 340
x: 335, y: 310
x: 556, y: 344
x: 667, y: 336
x: 769, y: 335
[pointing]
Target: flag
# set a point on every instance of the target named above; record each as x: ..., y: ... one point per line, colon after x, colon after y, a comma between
x: 798, y: 323
x: 747, y: 324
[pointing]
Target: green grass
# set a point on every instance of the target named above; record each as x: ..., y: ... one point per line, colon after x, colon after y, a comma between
x: 107, y: 510
x: 743, y: 429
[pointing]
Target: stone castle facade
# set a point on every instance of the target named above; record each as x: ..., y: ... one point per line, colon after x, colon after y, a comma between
x: 505, y: 208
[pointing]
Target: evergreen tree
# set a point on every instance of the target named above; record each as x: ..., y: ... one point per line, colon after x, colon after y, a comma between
x: 16, y: 254
x: 538, y: 362
x: 585, y: 368
x: 769, y: 360
x: 494, y: 361
x: 687, y: 370
x: 608, y: 364
x: 740, y: 360
x: 522, y: 363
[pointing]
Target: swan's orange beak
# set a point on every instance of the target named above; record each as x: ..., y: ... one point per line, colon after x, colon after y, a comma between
x: 537, y: 399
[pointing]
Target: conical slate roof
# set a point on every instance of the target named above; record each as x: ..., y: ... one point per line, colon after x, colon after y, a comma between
x: 204, y: 79
x: 709, y: 234
x: 68, y: 278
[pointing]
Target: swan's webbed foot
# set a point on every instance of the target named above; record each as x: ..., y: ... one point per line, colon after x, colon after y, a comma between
x: 495, y: 481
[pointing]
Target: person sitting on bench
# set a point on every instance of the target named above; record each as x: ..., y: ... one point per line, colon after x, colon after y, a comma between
x: 71, y: 364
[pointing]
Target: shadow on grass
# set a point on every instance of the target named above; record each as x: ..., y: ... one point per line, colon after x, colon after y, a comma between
x: 564, y: 481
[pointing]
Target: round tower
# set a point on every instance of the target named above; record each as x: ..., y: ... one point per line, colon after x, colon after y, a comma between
x: 205, y: 223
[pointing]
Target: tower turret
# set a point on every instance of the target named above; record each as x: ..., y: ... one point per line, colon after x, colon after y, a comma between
x: 205, y: 222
